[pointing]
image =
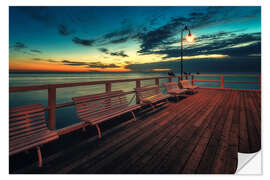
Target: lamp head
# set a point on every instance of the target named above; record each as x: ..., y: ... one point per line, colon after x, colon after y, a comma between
x: 190, y: 38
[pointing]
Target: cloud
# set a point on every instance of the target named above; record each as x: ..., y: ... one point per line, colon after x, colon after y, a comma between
x: 219, y: 43
x: 101, y: 65
x: 83, y: 42
x: 121, y: 53
x: 89, y: 64
x: 63, y: 30
x: 155, y: 38
x: 106, y: 51
x: 19, y: 46
x: 35, y: 51
x: 47, y: 60
x: 118, y: 33
x: 120, y: 40
x: 74, y: 63
x: 165, y: 35
x: 40, y: 14
x: 96, y: 64
x: 239, y: 64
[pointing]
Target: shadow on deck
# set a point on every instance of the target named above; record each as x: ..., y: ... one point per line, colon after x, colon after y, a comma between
x: 201, y: 133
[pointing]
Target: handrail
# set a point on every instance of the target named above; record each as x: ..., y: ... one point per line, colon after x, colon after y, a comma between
x: 226, y: 75
x: 47, y: 86
x: 52, y: 106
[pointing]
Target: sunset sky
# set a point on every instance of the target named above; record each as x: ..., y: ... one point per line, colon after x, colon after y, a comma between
x: 133, y: 38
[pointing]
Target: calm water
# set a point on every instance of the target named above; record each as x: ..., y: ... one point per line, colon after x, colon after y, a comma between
x: 67, y: 116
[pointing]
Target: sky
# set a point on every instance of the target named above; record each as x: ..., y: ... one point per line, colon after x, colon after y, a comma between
x: 144, y: 39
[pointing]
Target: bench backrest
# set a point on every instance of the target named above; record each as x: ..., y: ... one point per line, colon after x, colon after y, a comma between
x: 96, y: 105
x: 147, y: 91
x: 171, y: 86
x: 185, y: 83
x: 26, y: 121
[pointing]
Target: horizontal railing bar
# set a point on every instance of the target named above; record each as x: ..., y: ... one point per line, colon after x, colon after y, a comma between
x: 71, y: 128
x: 254, y: 82
x: 225, y: 89
x: 47, y: 86
x: 249, y: 75
x: 207, y: 80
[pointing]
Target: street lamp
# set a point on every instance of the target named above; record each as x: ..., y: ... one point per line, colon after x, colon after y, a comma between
x: 189, y: 38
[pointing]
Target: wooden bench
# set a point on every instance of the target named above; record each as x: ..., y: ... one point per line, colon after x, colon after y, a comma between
x: 173, y: 89
x: 97, y: 108
x: 28, y: 129
x: 150, y: 95
x: 185, y: 84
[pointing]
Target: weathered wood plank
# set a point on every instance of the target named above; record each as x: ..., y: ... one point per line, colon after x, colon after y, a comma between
x: 199, y: 134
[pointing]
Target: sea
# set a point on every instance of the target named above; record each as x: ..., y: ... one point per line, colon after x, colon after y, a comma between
x: 67, y: 116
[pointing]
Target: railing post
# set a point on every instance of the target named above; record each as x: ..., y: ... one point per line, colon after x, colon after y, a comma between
x: 52, y: 108
x: 179, y: 78
x: 138, y: 85
x: 222, y: 81
x: 108, y: 86
x: 260, y: 85
x: 192, y: 80
x: 157, y: 81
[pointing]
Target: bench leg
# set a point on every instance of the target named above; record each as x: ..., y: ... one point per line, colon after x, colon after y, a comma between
x: 153, y: 107
x: 99, y: 132
x: 133, y: 115
x: 39, y: 157
x: 83, y: 128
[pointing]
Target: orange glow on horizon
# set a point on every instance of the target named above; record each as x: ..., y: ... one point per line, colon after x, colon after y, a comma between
x: 26, y: 65
x: 168, y: 69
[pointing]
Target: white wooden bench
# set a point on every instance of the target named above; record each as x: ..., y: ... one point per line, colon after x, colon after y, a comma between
x: 150, y: 95
x: 28, y: 129
x: 185, y: 84
x: 173, y: 89
x: 97, y: 108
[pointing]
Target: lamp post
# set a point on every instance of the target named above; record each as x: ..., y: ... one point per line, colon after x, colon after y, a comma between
x: 189, y: 38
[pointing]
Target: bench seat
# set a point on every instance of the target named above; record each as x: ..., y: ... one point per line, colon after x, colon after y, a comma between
x: 155, y: 98
x: 174, y: 90
x: 151, y: 95
x: 110, y: 114
x: 185, y: 84
x: 28, y: 129
x: 97, y: 108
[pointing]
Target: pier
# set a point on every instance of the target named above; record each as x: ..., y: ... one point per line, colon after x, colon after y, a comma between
x: 201, y: 133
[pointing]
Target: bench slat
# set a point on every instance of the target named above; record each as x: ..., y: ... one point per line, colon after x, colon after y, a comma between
x: 150, y: 94
x: 100, y: 105
x: 30, y: 140
x: 26, y: 116
x: 100, y: 119
x: 15, y: 151
x: 28, y: 128
x: 30, y: 133
x: 95, y: 109
x: 16, y: 123
x: 95, y: 97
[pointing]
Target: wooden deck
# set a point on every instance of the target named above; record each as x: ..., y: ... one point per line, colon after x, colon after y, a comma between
x: 201, y: 133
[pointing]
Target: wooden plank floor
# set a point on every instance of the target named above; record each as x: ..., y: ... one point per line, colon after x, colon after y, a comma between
x: 201, y: 133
